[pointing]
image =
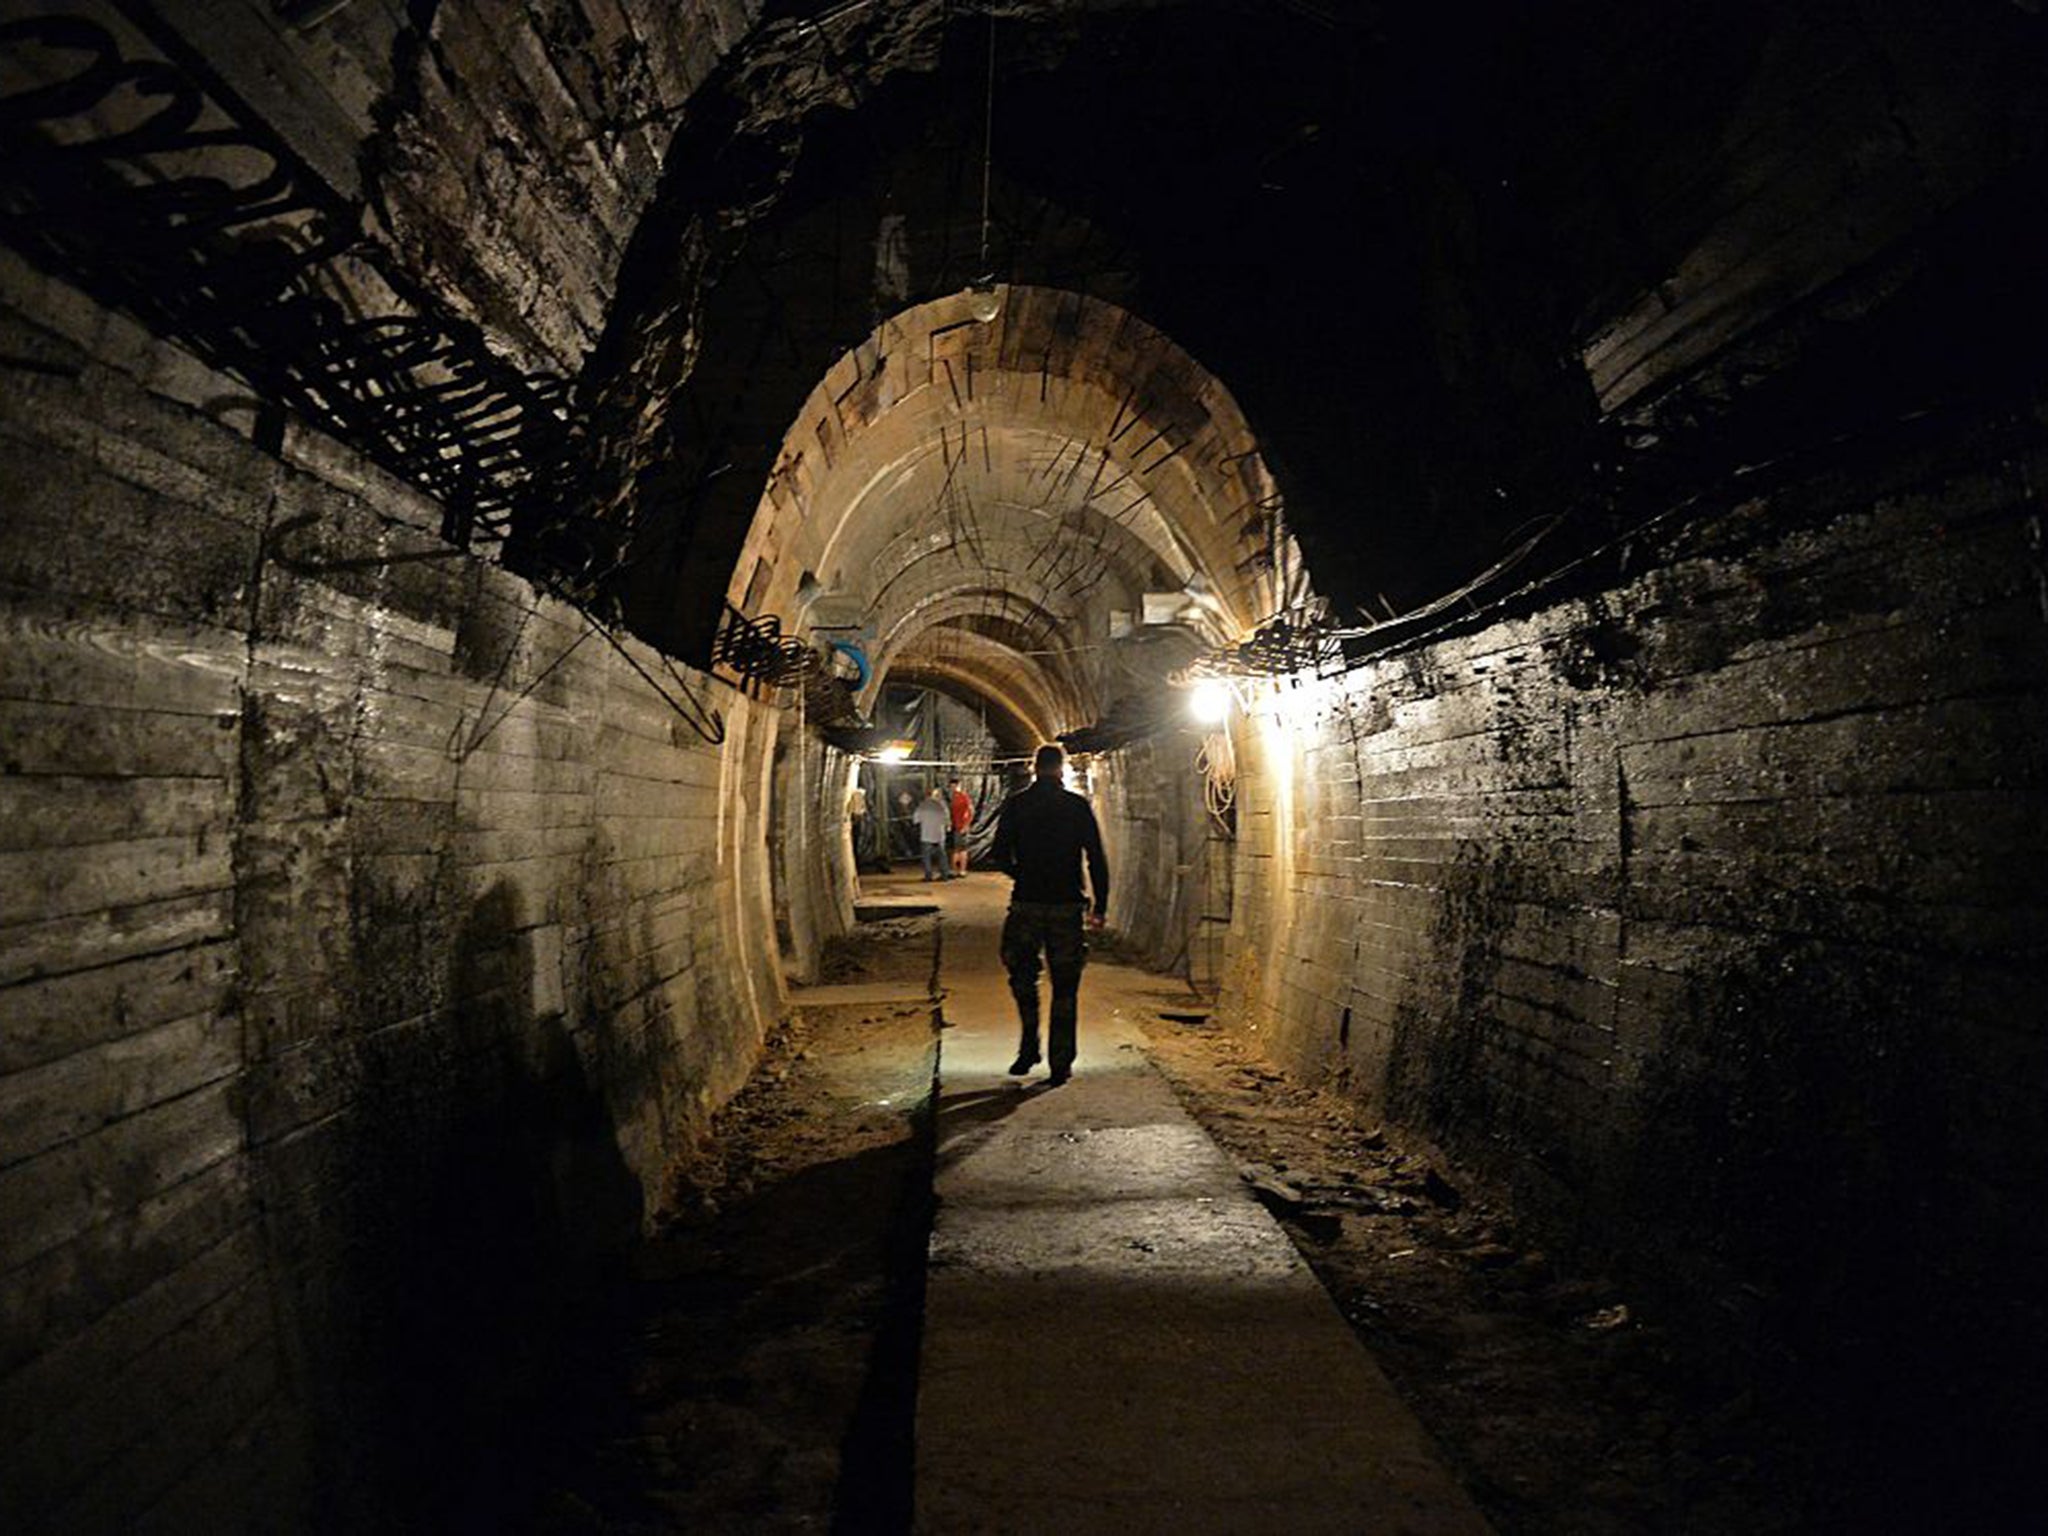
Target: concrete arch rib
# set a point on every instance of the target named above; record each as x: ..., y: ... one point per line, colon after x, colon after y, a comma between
x: 1029, y: 474
x: 1065, y: 456
x: 1020, y: 716
x: 1006, y: 642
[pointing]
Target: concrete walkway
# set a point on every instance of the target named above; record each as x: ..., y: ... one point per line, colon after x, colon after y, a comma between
x: 1118, y: 1337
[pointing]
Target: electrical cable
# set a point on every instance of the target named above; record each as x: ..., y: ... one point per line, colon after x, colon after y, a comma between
x: 1216, y: 761
x: 988, y: 143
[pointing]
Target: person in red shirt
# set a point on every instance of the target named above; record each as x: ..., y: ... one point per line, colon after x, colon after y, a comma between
x: 962, y: 810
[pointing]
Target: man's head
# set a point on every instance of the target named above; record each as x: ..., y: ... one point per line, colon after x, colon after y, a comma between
x: 952, y: 783
x: 1049, y: 763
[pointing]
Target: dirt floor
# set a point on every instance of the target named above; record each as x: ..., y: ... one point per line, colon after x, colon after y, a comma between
x: 766, y: 1346
x: 1564, y: 1414
x: 760, y: 1374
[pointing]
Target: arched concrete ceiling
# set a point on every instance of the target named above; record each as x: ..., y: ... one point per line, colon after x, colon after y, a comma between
x: 1434, y: 250
x: 1464, y: 267
x: 1009, y: 649
x: 1280, y: 187
x: 1019, y: 705
x: 980, y: 496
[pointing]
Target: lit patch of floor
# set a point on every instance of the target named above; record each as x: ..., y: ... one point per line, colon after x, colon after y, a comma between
x: 1117, y: 1337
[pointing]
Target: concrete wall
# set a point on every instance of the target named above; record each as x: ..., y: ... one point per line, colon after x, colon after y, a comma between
x: 1707, y: 913
x: 1169, y: 882
x: 369, y: 935
x: 812, y: 850
x: 505, y: 152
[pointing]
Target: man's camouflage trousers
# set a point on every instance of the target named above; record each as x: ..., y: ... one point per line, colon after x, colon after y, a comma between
x: 1054, y: 929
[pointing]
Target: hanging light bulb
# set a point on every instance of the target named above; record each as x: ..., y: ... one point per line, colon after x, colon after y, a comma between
x: 984, y: 300
x: 1209, y: 703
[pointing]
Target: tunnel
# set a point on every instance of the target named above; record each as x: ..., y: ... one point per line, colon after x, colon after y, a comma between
x: 1524, y: 522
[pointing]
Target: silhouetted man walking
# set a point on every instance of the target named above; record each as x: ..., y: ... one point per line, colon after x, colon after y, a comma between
x: 1042, y: 835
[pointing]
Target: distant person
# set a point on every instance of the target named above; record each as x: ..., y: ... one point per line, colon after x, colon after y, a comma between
x: 932, y: 818
x: 1042, y: 835
x: 963, y: 818
x: 857, y: 818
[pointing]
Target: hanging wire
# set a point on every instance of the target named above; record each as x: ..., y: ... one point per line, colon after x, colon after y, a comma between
x: 1303, y: 640
x: 988, y: 141
x: 486, y: 723
x: 701, y: 718
x: 1216, y: 761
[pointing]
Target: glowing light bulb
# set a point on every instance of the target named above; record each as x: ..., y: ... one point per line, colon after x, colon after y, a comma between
x: 984, y: 300
x: 1210, y: 702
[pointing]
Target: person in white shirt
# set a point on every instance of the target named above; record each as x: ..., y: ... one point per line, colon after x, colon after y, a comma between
x: 933, y: 818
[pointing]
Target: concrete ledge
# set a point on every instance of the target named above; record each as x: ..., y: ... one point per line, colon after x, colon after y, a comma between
x: 863, y: 994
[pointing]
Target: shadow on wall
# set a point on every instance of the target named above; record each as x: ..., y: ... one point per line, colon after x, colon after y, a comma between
x: 484, y: 1190
x: 1789, y: 1159
x: 1799, y: 1150
x: 1438, y: 1075
x: 1169, y: 862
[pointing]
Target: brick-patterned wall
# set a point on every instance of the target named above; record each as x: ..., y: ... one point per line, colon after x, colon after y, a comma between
x: 1708, y: 912
x: 368, y: 937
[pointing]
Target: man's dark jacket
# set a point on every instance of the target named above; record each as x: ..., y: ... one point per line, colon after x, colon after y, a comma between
x: 1041, y: 837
